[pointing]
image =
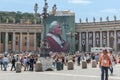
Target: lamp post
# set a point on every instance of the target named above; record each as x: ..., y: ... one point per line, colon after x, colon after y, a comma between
x: 36, y: 9
x: 44, y: 15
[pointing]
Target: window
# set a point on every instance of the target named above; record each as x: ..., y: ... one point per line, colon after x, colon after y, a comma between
x: 16, y: 43
x: 16, y: 38
x: 25, y: 44
x: 25, y: 38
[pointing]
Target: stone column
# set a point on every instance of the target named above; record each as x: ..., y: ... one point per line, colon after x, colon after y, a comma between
x: 7, y: 21
x: 21, y: 21
x: 115, y: 45
x: 20, y: 41
x: 100, y: 38
x: 0, y: 42
x: 108, y: 41
x: 87, y: 42
x: 35, y: 21
x: 13, y: 20
x: 80, y: 41
x: 35, y: 41
x: 13, y: 42
x: 6, y: 42
x: 0, y: 20
x: 28, y: 45
x: 93, y: 39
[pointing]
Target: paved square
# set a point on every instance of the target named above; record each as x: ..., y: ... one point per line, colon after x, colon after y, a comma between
x: 77, y: 74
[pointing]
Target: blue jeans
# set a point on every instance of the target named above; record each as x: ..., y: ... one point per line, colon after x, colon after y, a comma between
x: 104, y: 70
x: 111, y: 69
x: 5, y: 65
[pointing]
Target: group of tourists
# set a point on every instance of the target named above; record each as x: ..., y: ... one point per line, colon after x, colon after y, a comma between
x: 26, y: 60
x: 106, y: 60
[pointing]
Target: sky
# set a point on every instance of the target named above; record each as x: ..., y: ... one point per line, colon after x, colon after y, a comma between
x: 82, y: 8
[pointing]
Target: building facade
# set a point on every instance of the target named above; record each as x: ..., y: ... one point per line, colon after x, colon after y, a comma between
x: 27, y: 36
x: 19, y: 37
x: 99, y: 34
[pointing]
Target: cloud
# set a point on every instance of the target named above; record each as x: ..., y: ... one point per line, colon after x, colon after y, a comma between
x: 115, y: 11
x: 79, y: 1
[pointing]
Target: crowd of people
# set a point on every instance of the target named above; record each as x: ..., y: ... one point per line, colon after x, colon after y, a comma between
x: 106, y: 60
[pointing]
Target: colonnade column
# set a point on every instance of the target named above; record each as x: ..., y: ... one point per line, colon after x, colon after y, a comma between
x: 108, y: 41
x: 35, y: 41
x: 100, y: 38
x: 20, y: 41
x: 93, y: 39
x: 28, y: 45
x: 80, y: 41
x: 87, y: 41
x: 0, y: 43
x: 13, y: 42
x: 6, y: 42
x: 115, y: 45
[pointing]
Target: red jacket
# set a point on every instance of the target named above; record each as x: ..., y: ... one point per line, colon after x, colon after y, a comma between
x: 54, y: 46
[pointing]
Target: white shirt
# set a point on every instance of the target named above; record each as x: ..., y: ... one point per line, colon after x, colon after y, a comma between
x: 5, y: 59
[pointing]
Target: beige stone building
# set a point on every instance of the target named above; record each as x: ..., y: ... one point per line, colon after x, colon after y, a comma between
x: 27, y: 36
x: 20, y: 37
x: 99, y: 34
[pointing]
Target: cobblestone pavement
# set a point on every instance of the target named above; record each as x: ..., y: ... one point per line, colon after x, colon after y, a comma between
x: 77, y: 74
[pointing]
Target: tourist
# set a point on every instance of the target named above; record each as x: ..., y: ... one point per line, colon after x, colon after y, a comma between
x: 105, y: 63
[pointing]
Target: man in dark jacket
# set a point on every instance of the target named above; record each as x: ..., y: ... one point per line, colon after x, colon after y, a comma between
x: 31, y: 63
x: 13, y: 63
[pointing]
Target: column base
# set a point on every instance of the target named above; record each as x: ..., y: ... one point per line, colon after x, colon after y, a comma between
x: 44, y: 52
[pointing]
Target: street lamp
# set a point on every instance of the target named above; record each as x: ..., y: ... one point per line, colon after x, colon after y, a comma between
x: 71, y: 34
x: 36, y: 9
x: 44, y: 48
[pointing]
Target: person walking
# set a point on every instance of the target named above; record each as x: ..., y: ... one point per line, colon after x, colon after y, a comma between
x: 105, y: 63
x: 25, y: 63
x: 13, y: 63
x: 31, y: 63
x: 113, y: 62
x: 5, y: 62
x: 1, y: 62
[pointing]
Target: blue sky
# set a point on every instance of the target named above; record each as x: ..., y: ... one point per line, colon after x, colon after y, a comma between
x: 81, y: 8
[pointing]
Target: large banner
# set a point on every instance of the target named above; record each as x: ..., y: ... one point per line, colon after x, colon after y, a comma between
x: 111, y: 39
x: 90, y: 40
x: 97, y: 39
x: 104, y: 39
x: 83, y: 41
x: 60, y: 33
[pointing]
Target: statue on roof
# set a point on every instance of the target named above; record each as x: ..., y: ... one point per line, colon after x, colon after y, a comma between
x: 100, y: 19
x: 54, y: 8
x: 87, y: 20
x: 114, y: 18
x: 107, y: 18
x: 80, y: 20
x: 94, y: 19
